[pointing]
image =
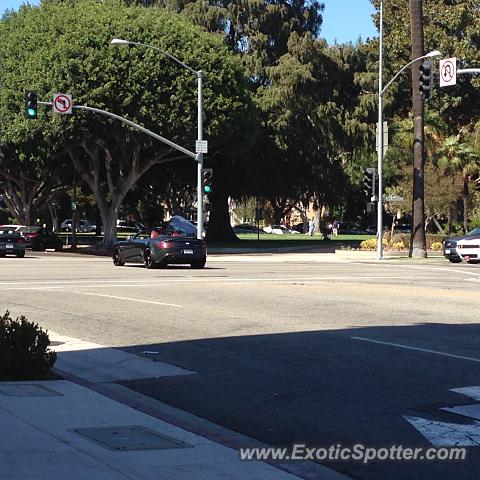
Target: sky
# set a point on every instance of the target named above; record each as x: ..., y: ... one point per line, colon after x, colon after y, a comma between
x: 343, y: 20
x: 346, y: 20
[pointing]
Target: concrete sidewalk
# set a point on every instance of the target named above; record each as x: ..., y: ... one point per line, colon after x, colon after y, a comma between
x: 57, y: 430
x: 93, y: 428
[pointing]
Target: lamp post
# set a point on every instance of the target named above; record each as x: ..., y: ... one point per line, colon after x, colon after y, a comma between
x: 199, y: 75
x: 381, y: 91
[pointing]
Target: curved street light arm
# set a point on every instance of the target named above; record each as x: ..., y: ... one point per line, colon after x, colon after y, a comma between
x: 116, y: 41
x: 428, y: 55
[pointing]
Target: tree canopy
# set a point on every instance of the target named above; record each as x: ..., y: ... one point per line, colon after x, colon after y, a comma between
x: 65, y: 47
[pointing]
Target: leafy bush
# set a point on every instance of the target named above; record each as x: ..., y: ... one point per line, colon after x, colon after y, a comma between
x: 24, y: 352
x: 370, y: 244
x: 474, y: 223
x: 401, y: 241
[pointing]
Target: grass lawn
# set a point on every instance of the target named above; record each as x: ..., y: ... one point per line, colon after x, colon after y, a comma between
x: 249, y: 240
x: 266, y: 240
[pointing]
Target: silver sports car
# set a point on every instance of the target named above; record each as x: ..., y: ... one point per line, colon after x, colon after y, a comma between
x: 173, y: 243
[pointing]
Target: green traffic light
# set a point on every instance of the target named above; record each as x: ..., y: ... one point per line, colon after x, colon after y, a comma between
x: 207, y: 189
x: 31, y: 112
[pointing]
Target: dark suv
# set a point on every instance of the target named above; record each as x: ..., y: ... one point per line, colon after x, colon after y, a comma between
x: 450, y: 245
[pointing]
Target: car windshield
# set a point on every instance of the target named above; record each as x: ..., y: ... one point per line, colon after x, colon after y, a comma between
x: 180, y: 226
x: 475, y: 231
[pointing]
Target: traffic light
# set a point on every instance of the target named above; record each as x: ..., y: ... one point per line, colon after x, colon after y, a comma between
x: 369, y: 181
x: 30, y: 104
x: 426, y: 78
x: 207, y: 176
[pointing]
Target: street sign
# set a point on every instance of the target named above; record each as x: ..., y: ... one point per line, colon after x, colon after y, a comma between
x: 62, y: 103
x: 201, y: 146
x: 392, y: 198
x: 385, y: 137
x: 448, y: 72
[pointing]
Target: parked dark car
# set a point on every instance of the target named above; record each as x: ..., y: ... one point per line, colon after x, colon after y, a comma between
x: 11, y: 243
x: 450, y: 245
x: 349, y: 228
x: 39, y: 239
x: 83, y: 226
x: 176, y: 243
x: 247, y: 228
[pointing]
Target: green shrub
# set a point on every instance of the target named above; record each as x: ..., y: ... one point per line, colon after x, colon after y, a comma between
x: 401, y: 241
x: 474, y: 223
x: 24, y: 352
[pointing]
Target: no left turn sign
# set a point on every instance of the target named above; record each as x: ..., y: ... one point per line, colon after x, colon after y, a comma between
x: 62, y: 103
x: 448, y: 72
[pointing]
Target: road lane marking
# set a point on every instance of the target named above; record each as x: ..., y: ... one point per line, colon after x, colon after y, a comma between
x: 126, y: 298
x: 441, y: 269
x: 141, y: 281
x: 418, y: 349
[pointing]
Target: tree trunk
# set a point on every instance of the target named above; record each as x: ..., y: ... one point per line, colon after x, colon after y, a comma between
x: 440, y: 228
x: 418, y: 247
x: 465, y: 195
x: 277, y: 214
x: 451, y: 206
x: 317, y: 218
x: 304, y: 220
x: 219, y: 228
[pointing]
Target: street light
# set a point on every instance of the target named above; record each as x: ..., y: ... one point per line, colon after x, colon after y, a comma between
x: 381, y: 91
x: 199, y: 75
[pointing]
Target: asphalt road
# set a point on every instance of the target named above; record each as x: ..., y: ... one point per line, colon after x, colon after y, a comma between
x: 311, y: 348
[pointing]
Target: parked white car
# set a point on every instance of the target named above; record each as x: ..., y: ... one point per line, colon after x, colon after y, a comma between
x: 468, y: 249
x: 280, y: 230
x: 13, y: 228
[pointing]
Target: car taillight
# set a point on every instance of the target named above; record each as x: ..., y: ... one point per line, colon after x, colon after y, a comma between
x: 165, y: 244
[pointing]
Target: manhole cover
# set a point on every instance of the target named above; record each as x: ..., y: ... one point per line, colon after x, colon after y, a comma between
x: 27, y: 390
x: 134, y: 437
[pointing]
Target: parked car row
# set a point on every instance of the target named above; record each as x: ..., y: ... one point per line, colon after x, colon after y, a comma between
x: 85, y: 226
x: 274, y: 229
x: 16, y: 238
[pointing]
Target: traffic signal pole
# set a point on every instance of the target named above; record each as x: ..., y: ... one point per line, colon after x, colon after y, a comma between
x: 200, y: 156
x: 380, y: 144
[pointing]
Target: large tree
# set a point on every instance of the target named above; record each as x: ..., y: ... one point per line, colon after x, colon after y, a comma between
x: 71, y: 53
x: 418, y: 245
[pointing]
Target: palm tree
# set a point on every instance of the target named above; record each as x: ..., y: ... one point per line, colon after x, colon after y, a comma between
x: 461, y: 158
x: 418, y: 247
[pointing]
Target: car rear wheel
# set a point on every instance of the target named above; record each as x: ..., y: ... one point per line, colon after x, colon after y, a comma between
x: 117, y: 258
x: 197, y: 264
x: 455, y: 260
x: 148, y: 259
x: 59, y: 246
